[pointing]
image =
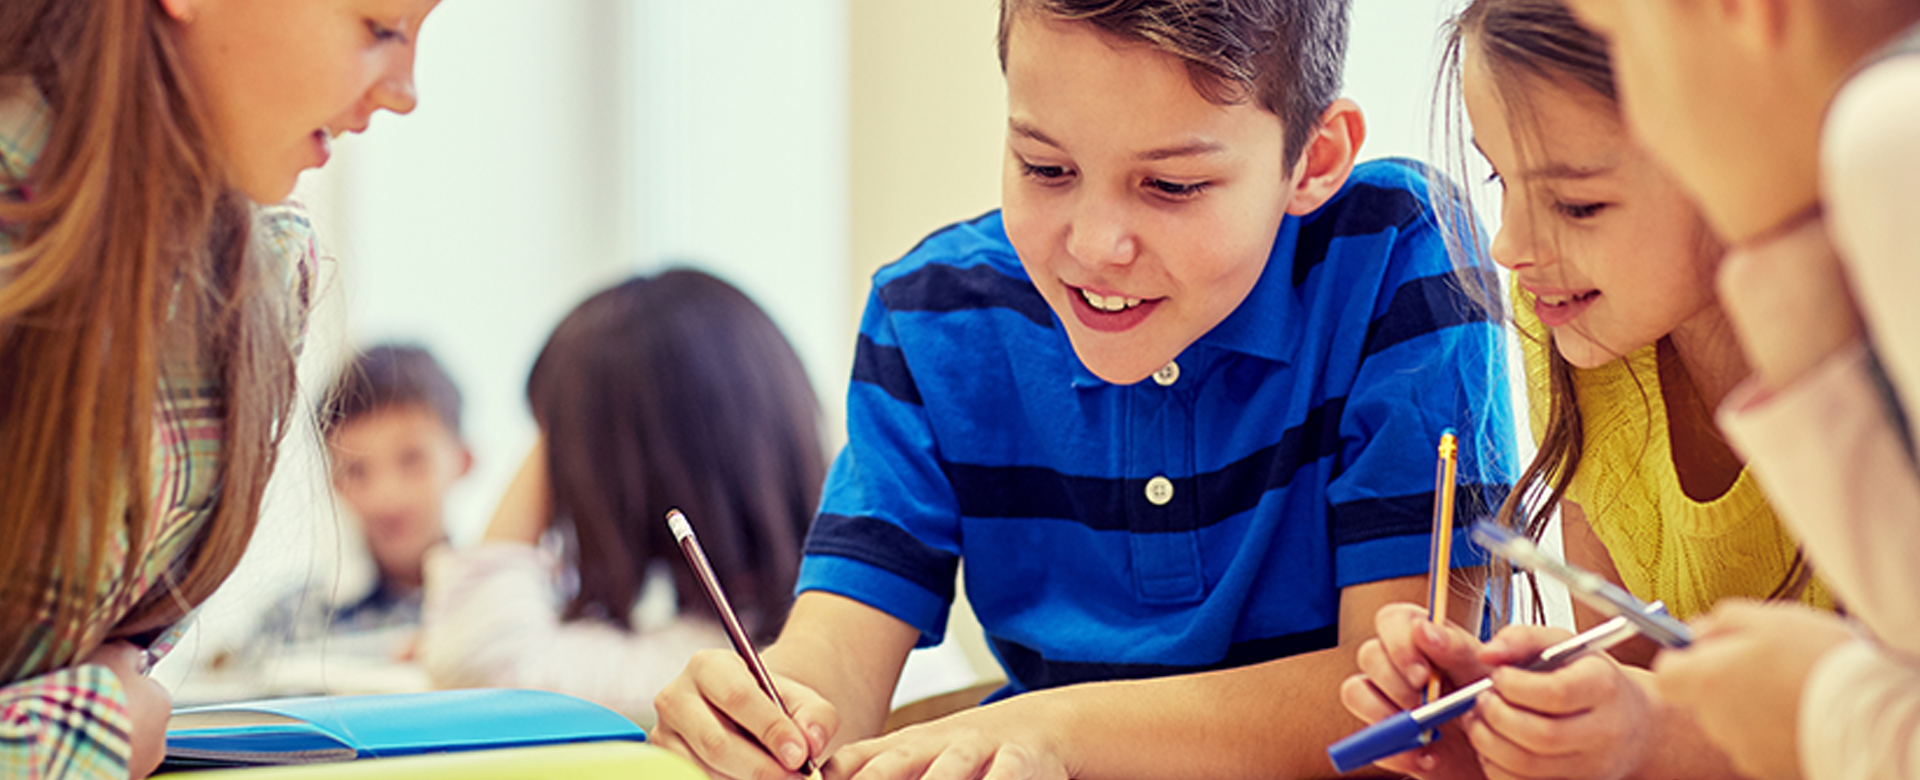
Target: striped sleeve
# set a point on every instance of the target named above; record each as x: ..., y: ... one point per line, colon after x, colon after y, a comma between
x: 1433, y: 360
x: 888, y: 530
x: 71, y: 724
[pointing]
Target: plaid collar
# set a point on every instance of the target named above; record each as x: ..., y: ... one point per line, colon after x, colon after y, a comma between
x: 25, y: 122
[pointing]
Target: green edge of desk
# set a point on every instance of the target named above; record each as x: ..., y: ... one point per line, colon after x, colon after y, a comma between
x: 586, y: 761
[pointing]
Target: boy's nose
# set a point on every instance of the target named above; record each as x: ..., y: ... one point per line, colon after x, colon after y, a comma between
x: 1100, y: 235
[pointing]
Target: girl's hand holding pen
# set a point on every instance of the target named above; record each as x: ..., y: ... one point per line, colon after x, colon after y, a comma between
x: 1589, y: 719
x: 1395, y: 666
x: 1593, y: 719
x: 715, y: 714
x: 1743, y: 676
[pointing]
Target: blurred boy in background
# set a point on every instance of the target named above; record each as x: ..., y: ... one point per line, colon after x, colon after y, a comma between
x: 391, y: 419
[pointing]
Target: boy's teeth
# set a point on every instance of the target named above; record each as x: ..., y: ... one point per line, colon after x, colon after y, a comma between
x: 1109, y: 303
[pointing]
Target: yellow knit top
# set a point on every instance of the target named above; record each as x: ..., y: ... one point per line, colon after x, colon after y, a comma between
x: 1667, y: 546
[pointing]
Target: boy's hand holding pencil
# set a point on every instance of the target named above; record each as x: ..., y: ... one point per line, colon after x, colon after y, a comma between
x: 723, y: 694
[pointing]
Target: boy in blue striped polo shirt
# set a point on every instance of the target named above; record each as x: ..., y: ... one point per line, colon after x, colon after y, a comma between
x: 1175, y: 406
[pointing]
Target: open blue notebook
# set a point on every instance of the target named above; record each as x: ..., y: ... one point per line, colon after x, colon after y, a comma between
x: 344, y: 728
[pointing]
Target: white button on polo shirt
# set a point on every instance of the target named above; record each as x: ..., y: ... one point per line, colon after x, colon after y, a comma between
x: 1159, y: 491
x: 1167, y: 375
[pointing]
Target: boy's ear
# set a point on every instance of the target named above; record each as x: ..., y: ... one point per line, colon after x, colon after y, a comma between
x: 466, y: 461
x: 179, y: 10
x: 1328, y: 157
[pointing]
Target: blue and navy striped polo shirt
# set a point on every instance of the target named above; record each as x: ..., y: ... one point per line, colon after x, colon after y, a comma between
x: 1137, y: 531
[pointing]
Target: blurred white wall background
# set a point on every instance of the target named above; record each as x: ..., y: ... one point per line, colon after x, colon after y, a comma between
x: 790, y: 147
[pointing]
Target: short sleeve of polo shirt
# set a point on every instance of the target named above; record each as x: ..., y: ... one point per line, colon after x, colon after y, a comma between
x: 1433, y: 359
x: 887, y: 494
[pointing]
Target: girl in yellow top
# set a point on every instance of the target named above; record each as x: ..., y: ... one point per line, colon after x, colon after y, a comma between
x: 1627, y: 353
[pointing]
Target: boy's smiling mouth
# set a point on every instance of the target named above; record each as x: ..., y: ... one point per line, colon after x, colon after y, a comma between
x: 1109, y: 313
x: 1108, y: 303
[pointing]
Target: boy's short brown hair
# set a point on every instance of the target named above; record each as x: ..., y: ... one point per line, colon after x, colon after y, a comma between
x: 388, y: 376
x: 1285, y: 54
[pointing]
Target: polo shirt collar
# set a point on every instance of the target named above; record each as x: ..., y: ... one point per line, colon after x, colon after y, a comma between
x: 1265, y: 325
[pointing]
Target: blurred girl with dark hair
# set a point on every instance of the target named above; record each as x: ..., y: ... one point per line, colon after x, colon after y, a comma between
x: 666, y: 391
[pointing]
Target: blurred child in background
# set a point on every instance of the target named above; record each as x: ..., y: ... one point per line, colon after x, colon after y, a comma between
x: 666, y: 391
x: 392, y: 425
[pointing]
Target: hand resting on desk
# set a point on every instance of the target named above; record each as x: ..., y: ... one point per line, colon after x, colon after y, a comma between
x: 1002, y: 741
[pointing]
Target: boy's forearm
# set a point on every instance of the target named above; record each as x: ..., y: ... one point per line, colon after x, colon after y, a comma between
x: 1272, y: 720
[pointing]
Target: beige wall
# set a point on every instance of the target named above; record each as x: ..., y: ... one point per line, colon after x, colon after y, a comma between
x: 928, y: 110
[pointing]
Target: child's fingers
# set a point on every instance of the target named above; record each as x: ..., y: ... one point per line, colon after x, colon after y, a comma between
x: 1515, y: 644
x: 1396, y: 627
x: 817, y: 719
x: 1503, y: 757
x: 1524, y: 730
x: 1391, y: 681
x: 1451, y: 651
x: 1405, y: 764
x: 881, y: 759
x: 1365, y: 701
x: 1570, y: 690
x: 716, y: 714
x: 713, y: 745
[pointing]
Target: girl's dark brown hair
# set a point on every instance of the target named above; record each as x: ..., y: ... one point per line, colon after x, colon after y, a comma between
x: 1539, y: 40
x: 130, y: 267
x: 677, y: 391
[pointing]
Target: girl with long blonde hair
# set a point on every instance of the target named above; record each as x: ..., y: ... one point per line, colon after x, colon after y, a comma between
x: 149, y: 311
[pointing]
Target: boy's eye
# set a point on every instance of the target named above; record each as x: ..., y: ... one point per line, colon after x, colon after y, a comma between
x: 1579, y: 210
x: 1046, y: 173
x: 1176, y: 189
